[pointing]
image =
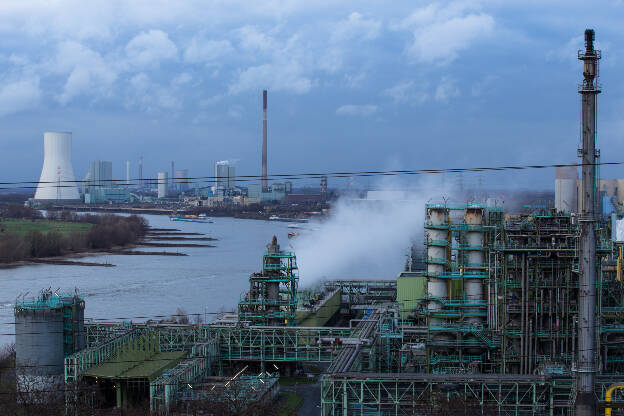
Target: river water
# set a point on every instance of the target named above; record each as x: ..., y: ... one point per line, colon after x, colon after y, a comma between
x: 208, y: 280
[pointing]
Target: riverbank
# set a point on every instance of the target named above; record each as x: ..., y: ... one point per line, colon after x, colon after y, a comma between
x: 247, y: 213
x: 63, y: 259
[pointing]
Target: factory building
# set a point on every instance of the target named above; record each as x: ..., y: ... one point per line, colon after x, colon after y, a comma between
x: 99, y: 185
x: 276, y: 192
x: 181, y: 181
x: 57, y: 182
x: 225, y: 178
x: 100, y: 173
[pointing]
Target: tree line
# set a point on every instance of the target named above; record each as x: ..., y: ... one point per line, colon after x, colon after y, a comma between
x: 106, y: 232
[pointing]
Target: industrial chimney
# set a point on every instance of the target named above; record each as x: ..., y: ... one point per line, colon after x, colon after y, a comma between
x: 264, y: 140
x: 141, y: 172
x: 57, y: 182
x: 585, y: 403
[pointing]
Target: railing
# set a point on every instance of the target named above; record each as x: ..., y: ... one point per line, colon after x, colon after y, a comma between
x: 80, y: 362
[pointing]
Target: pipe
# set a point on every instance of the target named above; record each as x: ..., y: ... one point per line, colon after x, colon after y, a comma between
x: 609, y: 394
x: 522, y: 334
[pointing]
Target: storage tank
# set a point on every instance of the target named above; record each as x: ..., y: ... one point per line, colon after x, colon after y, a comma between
x: 163, y: 184
x: 566, y: 193
x: 57, y: 181
x: 47, y: 329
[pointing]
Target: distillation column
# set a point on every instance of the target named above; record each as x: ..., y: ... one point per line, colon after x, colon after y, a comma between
x: 273, y: 287
x: 585, y: 403
x: 473, y: 287
x: 437, y: 257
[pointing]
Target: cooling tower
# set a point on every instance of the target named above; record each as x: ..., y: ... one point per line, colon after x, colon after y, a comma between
x: 57, y: 183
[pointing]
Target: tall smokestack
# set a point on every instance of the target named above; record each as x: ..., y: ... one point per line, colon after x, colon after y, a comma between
x: 172, y: 173
x: 127, y: 172
x: 141, y: 171
x: 585, y: 403
x: 264, y: 140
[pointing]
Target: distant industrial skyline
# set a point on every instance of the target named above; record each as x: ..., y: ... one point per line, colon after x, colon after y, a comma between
x: 354, y: 86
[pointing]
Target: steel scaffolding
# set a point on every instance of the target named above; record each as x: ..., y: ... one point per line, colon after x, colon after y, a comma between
x: 272, y: 296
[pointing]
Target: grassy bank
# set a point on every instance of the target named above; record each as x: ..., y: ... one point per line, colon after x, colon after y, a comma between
x: 25, y: 226
x: 34, y: 237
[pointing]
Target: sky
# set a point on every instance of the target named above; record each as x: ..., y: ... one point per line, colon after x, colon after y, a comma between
x: 353, y: 85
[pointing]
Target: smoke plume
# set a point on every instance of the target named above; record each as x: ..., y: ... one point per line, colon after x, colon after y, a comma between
x: 366, y: 239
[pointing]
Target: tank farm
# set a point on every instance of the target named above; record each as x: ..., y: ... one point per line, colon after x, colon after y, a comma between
x: 496, y: 321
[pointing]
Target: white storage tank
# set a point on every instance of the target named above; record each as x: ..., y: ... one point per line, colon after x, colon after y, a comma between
x: 566, y: 193
x: 163, y: 184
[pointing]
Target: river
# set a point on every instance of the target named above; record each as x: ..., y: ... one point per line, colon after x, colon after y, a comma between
x: 208, y: 280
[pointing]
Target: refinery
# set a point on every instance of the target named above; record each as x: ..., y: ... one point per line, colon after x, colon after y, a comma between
x: 504, y: 313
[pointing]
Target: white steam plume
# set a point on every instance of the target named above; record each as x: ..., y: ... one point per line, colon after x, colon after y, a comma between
x: 366, y: 238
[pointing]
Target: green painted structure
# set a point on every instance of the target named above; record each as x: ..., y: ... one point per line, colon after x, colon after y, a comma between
x: 321, y: 314
x: 411, y: 289
x: 133, y: 366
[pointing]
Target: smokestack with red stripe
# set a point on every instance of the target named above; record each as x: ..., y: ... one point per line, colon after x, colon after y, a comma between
x: 264, y: 140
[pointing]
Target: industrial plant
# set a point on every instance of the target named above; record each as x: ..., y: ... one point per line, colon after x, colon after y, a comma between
x: 510, y: 314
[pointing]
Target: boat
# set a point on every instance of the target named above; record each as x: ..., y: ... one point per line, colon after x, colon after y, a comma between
x: 190, y: 218
x: 285, y: 219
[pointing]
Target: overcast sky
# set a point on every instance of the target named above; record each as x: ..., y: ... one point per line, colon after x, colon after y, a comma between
x: 353, y: 85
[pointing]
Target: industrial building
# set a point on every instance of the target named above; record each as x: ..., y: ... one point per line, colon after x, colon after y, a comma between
x: 225, y: 178
x: 181, y: 180
x: 57, y: 182
x: 275, y: 192
x: 99, y: 187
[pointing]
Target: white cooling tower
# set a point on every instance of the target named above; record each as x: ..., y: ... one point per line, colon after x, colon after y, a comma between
x: 57, y: 183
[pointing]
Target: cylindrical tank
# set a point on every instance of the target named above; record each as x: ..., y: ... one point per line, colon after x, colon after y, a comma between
x: 163, y: 185
x: 47, y: 329
x: 437, y: 238
x: 57, y: 181
x: 39, y: 348
x: 473, y: 288
x: 566, y: 193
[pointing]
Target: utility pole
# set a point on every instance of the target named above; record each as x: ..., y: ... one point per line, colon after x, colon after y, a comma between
x: 585, y: 404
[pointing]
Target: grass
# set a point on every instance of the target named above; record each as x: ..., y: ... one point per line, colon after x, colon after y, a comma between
x: 296, y: 380
x: 292, y: 404
x: 23, y: 227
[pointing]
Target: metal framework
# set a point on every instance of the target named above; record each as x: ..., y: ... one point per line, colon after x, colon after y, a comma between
x: 164, y: 391
x: 272, y: 296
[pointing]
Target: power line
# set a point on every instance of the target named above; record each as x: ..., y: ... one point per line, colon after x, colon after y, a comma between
x: 299, y: 176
